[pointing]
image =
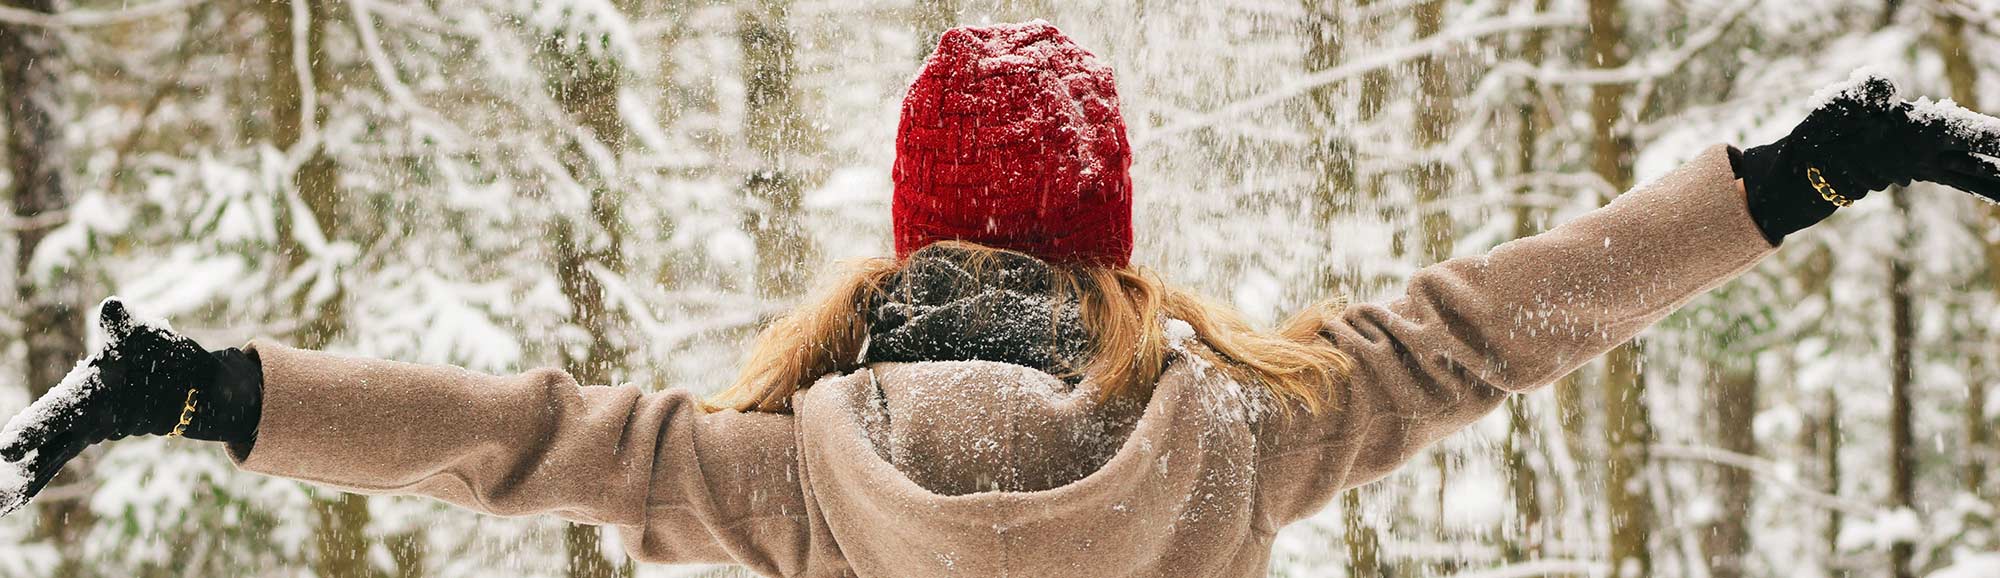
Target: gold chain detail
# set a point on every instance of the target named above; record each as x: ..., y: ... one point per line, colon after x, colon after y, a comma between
x: 1826, y: 189
x: 187, y: 416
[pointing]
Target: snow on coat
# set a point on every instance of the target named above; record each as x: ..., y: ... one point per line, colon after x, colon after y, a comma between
x: 890, y: 471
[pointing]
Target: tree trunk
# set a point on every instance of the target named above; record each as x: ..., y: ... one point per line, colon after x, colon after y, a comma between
x: 1963, y: 76
x: 1902, y: 377
x: 51, y: 307
x: 1024, y: 10
x: 1332, y: 155
x: 1574, y: 398
x: 1526, y: 536
x: 1979, y: 448
x: 1364, y: 547
x: 1529, y: 118
x: 1829, y: 456
x: 1434, y: 118
x: 776, y: 131
x: 1373, y: 87
x: 1571, y: 397
x: 587, y: 89
x: 1821, y: 436
x: 342, y: 538
x: 341, y: 542
x: 317, y: 179
x: 1628, y: 427
x: 1432, y: 181
x: 1336, y: 188
x: 1727, y: 540
x: 931, y: 19
x: 1627, y: 433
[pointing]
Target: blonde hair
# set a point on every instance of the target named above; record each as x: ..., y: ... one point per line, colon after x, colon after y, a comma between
x: 1124, y: 312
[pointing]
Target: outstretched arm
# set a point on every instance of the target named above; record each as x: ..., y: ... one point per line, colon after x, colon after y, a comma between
x: 683, y: 484
x: 1471, y: 330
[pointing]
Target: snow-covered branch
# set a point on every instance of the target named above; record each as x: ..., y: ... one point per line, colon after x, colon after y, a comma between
x: 1988, y: 23
x: 385, y: 73
x: 1544, y: 567
x: 625, y: 297
x: 308, y: 91
x: 1471, y: 130
x: 1575, y: 180
x: 183, y: 57
x: 43, y: 221
x: 1377, y: 10
x: 1762, y: 468
x: 92, y: 18
x: 1380, y: 60
x: 1654, y: 66
x: 1674, y: 60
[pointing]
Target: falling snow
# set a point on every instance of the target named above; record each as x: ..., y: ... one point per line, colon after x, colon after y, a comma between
x: 466, y: 167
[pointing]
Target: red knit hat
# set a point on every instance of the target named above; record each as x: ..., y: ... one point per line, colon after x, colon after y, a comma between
x: 1011, y: 138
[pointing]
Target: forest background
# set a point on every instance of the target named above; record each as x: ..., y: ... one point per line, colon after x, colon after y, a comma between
x: 628, y: 188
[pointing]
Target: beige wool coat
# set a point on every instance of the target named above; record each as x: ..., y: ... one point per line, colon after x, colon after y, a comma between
x: 988, y: 469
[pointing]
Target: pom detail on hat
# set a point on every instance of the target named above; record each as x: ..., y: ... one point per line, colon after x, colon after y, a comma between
x: 1011, y: 137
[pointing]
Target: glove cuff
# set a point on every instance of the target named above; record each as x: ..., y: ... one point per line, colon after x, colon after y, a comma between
x: 228, y: 407
x: 1781, y: 199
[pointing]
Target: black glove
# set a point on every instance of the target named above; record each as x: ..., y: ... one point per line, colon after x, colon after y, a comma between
x: 138, y: 383
x: 1862, y: 139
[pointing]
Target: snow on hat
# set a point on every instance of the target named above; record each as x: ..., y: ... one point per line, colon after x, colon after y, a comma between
x: 1011, y: 138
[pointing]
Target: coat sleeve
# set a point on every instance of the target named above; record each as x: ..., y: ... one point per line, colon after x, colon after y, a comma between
x: 681, y: 484
x: 1467, y: 332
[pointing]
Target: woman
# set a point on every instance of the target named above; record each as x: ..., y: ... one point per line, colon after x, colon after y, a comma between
x: 1008, y: 396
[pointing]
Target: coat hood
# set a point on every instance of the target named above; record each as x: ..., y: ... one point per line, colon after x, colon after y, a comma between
x: 980, y: 468
x: 957, y: 428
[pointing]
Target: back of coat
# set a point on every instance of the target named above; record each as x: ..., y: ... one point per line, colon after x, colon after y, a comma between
x: 975, y: 468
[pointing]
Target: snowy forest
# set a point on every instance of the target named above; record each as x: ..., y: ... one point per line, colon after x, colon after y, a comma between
x: 628, y: 189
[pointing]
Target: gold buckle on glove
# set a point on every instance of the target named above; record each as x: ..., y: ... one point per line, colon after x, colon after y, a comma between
x: 187, y: 416
x: 1825, y: 189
